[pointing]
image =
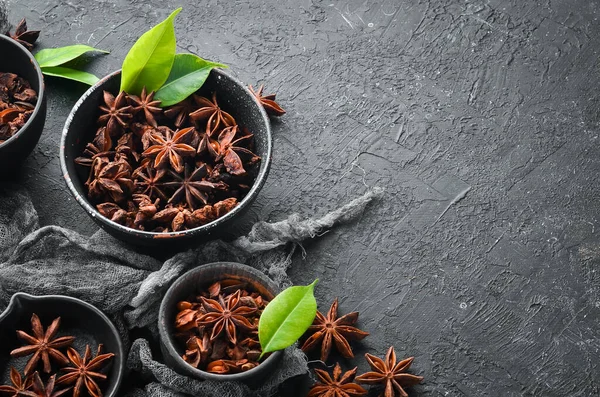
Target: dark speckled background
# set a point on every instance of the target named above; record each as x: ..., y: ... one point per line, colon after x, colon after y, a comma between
x: 480, y: 118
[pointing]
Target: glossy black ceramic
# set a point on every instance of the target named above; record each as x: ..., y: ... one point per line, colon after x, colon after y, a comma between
x: 80, y: 128
x: 191, y: 284
x: 78, y: 318
x: 15, y: 58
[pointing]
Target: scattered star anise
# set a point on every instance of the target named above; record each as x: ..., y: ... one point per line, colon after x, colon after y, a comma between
x: 24, y: 36
x: 84, y: 371
x: 268, y: 102
x: 117, y: 112
x: 192, y: 186
x: 333, y: 330
x: 210, y: 110
x: 42, y: 345
x: 171, y: 148
x: 226, y: 315
x: 20, y: 387
x: 389, y: 373
x: 47, y: 390
x: 146, y: 105
x: 336, y: 386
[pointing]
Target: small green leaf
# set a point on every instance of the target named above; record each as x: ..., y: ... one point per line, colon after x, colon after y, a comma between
x: 71, y: 74
x: 287, y: 317
x: 150, y: 59
x: 187, y: 75
x: 58, y: 56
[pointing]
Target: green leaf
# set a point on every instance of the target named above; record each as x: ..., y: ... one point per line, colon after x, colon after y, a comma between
x: 150, y: 59
x: 287, y: 317
x: 71, y: 74
x: 187, y: 75
x: 58, y: 56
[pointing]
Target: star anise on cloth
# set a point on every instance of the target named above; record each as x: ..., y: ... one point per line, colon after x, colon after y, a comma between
x: 267, y: 101
x: 42, y: 345
x: 84, y: 372
x: 192, y: 186
x: 47, y: 390
x: 171, y: 148
x: 393, y: 375
x: 226, y: 315
x: 116, y: 112
x: 337, y: 386
x: 20, y: 387
x: 330, y: 329
x: 24, y: 36
x: 210, y: 110
x: 230, y: 150
x: 146, y: 104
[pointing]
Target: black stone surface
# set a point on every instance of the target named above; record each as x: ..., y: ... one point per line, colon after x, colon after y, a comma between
x: 480, y: 118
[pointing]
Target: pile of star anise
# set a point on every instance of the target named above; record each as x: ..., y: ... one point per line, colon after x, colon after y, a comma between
x: 330, y: 331
x: 17, y: 102
x: 219, y: 328
x: 170, y: 169
x: 61, y: 375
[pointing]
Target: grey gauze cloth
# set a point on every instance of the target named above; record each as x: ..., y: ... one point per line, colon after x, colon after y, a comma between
x: 129, y: 286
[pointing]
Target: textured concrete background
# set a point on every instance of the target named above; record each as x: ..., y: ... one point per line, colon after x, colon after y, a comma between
x: 481, y: 120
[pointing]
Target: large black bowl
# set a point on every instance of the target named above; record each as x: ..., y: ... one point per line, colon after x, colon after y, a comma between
x: 80, y: 128
x: 79, y: 319
x: 15, y: 58
x: 192, y: 283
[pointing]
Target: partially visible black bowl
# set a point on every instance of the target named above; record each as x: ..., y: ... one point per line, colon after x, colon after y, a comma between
x: 192, y: 283
x: 80, y: 129
x: 78, y: 318
x: 18, y: 60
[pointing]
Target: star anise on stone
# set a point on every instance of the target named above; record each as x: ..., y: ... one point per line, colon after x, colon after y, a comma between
x: 116, y: 112
x: 145, y: 103
x: 24, y: 36
x: 333, y: 330
x: 192, y: 187
x: 337, y: 386
x: 180, y: 112
x: 230, y: 150
x: 42, y: 345
x: 84, y: 371
x: 389, y: 373
x: 47, y: 390
x: 171, y: 148
x: 20, y: 387
x: 210, y: 110
x: 268, y: 102
x: 226, y: 316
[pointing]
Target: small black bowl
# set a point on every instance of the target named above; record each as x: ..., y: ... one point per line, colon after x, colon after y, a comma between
x: 80, y: 129
x: 192, y: 283
x: 16, y: 59
x: 79, y: 319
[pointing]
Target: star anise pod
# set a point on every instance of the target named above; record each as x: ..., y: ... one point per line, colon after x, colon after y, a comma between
x: 226, y: 315
x: 20, y: 387
x: 43, y: 345
x: 112, y: 178
x: 229, y: 150
x: 170, y: 148
x: 178, y: 217
x: 84, y: 371
x: 180, y: 112
x: 100, y: 147
x: 197, y: 350
x: 148, y: 181
x: 24, y: 36
x: 210, y: 110
x: 333, y: 330
x: 393, y: 375
x: 47, y: 390
x: 336, y: 386
x: 113, y: 212
x: 268, y: 102
x: 145, y: 103
x: 117, y: 112
x: 192, y: 186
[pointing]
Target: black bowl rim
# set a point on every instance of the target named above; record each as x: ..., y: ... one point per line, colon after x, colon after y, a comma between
x: 259, y: 276
x: 40, y: 94
x: 93, y: 212
x: 121, y: 350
